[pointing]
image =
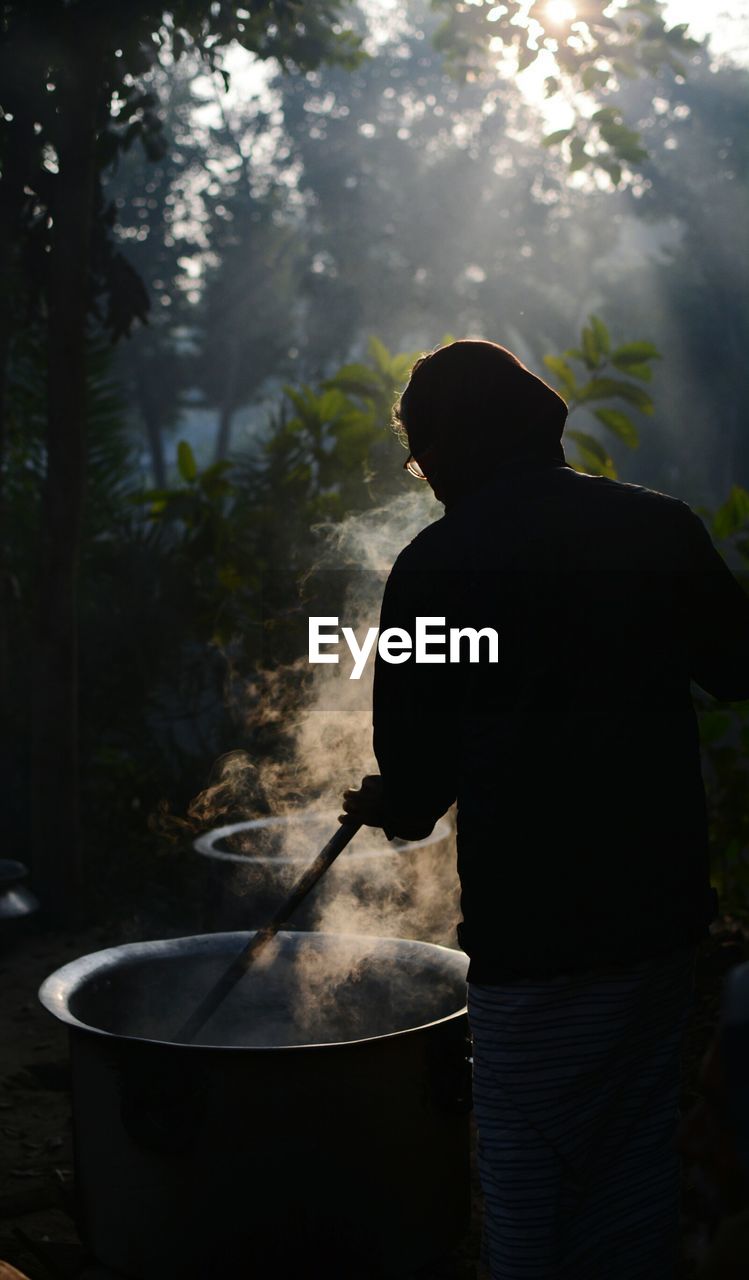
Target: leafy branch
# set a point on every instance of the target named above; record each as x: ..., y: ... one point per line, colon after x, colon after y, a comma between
x: 591, y: 54
x: 607, y: 374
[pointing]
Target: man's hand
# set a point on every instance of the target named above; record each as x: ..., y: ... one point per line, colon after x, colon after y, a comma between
x: 366, y: 803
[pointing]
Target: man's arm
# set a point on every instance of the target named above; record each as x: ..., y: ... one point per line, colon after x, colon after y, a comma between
x: 717, y: 620
x: 415, y: 722
x: 414, y: 714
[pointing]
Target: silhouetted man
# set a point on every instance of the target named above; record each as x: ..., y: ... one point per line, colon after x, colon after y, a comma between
x: 582, y: 836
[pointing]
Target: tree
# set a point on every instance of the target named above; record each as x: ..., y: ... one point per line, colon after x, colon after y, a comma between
x: 591, y: 55
x: 429, y: 207
x: 697, y: 185
x: 82, y: 102
x: 147, y: 196
x: 222, y: 327
x: 71, y: 100
x: 248, y: 312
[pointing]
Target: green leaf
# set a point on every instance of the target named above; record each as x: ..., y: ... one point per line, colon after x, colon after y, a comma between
x: 217, y: 469
x: 592, y: 453
x: 332, y: 403
x: 620, y: 424
x: 614, y: 388
x: 304, y: 401
x: 641, y: 371
x: 578, y: 155
x: 357, y: 379
x: 380, y: 354
x: 214, y: 483
x: 553, y: 139
x: 678, y: 35
x: 611, y: 167
x: 713, y: 726
x: 401, y: 369
x: 607, y: 115
x: 559, y: 366
x: 624, y: 142
x: 590, y: 443
x: 734, y: 513
x: 186, y: 464
x: 594, y: 76
x: 591, y: 350
x: 154, y: 495
x: 634, y: 353
x: 601, y: 334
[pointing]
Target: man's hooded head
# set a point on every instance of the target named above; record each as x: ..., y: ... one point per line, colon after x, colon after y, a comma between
x: 471, y: 407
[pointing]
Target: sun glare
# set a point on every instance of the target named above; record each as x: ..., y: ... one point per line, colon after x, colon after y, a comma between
x: 560, y: 11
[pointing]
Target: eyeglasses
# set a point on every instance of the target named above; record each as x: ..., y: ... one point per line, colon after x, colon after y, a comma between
x: 413, y: 468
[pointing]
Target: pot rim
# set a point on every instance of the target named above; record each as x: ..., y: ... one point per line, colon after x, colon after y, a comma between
x: 205, y: 844
x: 55, y: 992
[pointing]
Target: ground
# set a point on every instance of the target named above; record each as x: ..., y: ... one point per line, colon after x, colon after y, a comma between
x: 37, y: 1230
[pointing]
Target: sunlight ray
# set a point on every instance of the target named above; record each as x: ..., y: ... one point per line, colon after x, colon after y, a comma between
x: 560, y: 12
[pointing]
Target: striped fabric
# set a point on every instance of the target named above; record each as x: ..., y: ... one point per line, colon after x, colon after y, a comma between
x: 576, y: 1083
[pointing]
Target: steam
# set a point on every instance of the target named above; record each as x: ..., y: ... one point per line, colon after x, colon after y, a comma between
x: 305, y: 989
x: 326, y: 716
x: 381, y: 888
x: 334, y: 738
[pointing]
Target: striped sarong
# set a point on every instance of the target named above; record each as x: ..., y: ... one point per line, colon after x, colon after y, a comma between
x: 576, y: 1084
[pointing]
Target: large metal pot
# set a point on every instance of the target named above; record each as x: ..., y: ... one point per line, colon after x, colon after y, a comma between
x: 405, y: 888
x: 322, y: 1131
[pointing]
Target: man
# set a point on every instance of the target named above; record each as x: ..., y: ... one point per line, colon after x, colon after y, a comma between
x: 582, y: 838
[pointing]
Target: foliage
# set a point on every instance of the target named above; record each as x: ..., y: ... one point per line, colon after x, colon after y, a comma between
x: 116, y: 47
x: 153, y: 366
x: 416, y: 207
x: 698, y: 287
x: 327, y: 453
x: 425, y: 209
x: 379, y: 196
x: 609, y: 374
x: 243, y: 532
x: 248, y: 314
x: 724, y: 734
x: 591, y: 55
x: 210, y: 559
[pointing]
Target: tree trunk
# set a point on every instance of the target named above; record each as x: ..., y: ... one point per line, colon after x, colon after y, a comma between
x: 155, y: 442
x: 223, y: 437
x: 228, y: 405
x: 55, y: 765
x: 19, y: 149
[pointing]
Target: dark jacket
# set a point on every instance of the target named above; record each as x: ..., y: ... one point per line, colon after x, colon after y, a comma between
x: 582, y: 833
